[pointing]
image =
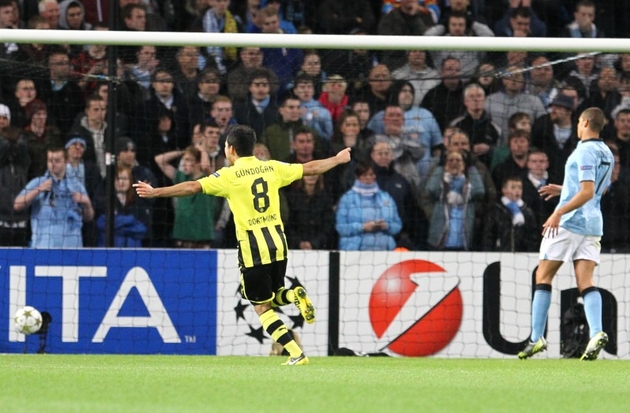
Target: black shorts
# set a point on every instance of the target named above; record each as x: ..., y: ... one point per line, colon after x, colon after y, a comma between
x: 259, y: 283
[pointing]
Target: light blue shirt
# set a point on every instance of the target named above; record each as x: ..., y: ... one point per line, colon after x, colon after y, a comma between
x: 56, y: 220
x: 318, y: 118
x: 593, y: 161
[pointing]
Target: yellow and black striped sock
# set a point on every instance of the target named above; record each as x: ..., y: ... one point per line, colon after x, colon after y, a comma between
x: 283, y: 297
x: 278, y: 331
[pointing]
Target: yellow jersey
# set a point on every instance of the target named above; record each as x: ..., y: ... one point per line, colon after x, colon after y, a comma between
x: 251, y: 188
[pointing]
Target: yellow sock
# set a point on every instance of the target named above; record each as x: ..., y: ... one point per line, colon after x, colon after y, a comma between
x: 278, y: 331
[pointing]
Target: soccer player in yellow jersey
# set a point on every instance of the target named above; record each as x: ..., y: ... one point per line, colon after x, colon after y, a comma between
x: 251, y: 188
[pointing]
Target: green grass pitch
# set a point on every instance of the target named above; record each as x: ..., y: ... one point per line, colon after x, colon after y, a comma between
x: 111, y: 384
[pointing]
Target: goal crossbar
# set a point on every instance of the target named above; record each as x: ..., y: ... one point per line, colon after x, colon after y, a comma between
x: 530, y: 44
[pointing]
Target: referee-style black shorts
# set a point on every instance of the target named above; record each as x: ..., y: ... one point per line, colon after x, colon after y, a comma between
x: 259, y: 283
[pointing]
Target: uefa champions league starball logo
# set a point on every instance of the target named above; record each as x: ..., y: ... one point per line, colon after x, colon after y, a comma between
x: 415, y: 308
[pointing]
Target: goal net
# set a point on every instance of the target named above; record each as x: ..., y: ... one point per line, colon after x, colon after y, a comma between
x: 444, y: 292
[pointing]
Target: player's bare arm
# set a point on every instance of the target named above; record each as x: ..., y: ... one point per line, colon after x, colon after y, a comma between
x: 144, y: 190
x: 550, y: 191
x: 586, y: 193
x: 324, y: 165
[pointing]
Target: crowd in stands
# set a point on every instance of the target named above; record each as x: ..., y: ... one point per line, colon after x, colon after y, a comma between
x: 449, y: 148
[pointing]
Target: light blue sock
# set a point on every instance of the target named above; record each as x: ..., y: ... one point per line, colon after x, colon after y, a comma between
x: 593, y: 309
x: 540, y: 308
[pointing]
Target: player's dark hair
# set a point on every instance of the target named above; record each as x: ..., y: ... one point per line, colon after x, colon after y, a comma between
x: 242, y: 138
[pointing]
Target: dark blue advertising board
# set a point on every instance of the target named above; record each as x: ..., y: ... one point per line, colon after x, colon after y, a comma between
x: 111, y: 301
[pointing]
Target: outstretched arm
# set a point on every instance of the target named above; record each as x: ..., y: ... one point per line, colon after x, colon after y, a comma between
x: 324, y: 165
x: 144, y: 190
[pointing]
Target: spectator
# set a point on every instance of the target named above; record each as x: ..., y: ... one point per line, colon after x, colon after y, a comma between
x: 419, y: 125
x: 134, y: 17
x: 162, y: 139
x: 457, y: 24
x: 194, y: 217
x: 14, y: 165
x: 251, y: 59
x: 472, y: 14
x: 556, y: 135
x: 312, y: 66
x: 49, y: 10
x: 422, y: 77
x: 62, y: 95
x: 312, y: 112
x: 186, y: 69
x: 163, y: 99
x: 130, y: 216
x: 334, y: 97
x: 430, y: 9
x: 452, y: 190
x: 406, y: 20
x: 218, y: 19
x: 445, y: 100
x: 24, y: 93
x: 520, y: 21
x: 516, y: 163
x: 158, y: 214
x: 141, y: 72
x: 284, y: 62
x: 279, y: 135
x: 604, y: 94
x: 222, y: 114
x: 376, y: 91
x: 311, y: 218
x: 39, y: 136
x: 7, y: 21
x: 543, y: 83
x: 5, y: 116
x: 344, y: 17
x: 258, y: 111
x: 367, y: 217
x: 503, y: 104
x: 511, y: 224
x: 362, y: 108
x: 72, y: 16
x: 92, y: 128
x: 58, y: 205
x: 537, y: 177
x: 478, y: 124
x: 212, y: 157
x: 257, y: 23
x: 88, y: 175
x: 90, y: 63
x: 583, y: 26
x: 621, y: 138
x: 413, y: 233
x: 585, y: 71
x: 615, y: 205
x: 347, y: 135
x: 518, y: 121
x: 486, y: 77
x: 407, y: 150
x: 124, y: 103
x: 208, y: 90
x: 457, y: 140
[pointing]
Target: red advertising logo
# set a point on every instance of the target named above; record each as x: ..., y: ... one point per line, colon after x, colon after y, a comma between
x: 415, y: 308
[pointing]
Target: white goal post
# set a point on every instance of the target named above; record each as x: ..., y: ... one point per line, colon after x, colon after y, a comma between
x: 126, y: 38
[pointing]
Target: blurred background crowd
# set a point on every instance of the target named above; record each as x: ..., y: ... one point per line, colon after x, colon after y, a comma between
x: 449, y: 147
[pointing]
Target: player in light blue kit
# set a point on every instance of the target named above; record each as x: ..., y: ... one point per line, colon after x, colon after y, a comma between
x: 573, y: 231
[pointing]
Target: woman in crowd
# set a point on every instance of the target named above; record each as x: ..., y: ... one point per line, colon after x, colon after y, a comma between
x: 131, y: 214
x: 367, y: 217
